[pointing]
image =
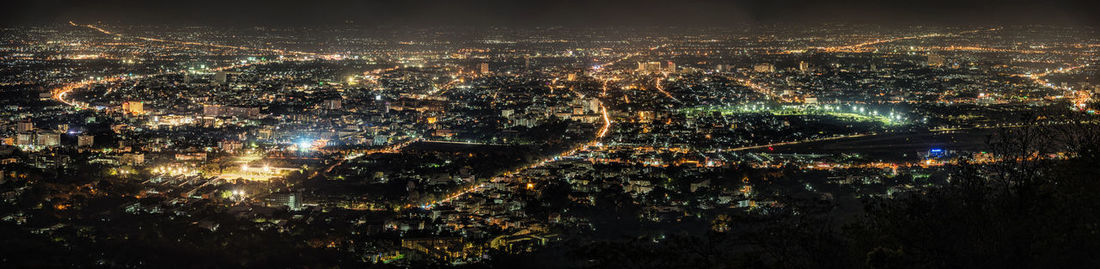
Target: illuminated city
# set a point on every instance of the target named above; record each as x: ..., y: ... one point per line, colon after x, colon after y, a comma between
x: 739, y: 134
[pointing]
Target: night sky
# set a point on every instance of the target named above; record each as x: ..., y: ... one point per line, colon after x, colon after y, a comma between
x: 557, y: 12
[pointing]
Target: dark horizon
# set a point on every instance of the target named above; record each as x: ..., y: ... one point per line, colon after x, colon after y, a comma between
x: 555, y: 13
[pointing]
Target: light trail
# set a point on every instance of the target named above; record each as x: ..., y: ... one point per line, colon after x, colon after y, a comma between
x: 856, y: 47
x: 1080, y: 99
x: 395, y: 148
x: 853, y: 47
x: 760, y: 89
x: 61, y: 93
x: 603, y: 88
x: 190, y: 43
x: 828, y: 166
x: 744, y: 148
x: 628, y: 56
x: 666, y: 93
x: 446, y: 87
x: 600, y: 134
x: 940, y: 130
x: 982, y: 49
x: 595, y: 142
x: 796, y: 142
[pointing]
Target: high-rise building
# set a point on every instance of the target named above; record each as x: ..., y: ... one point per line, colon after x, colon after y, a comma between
x: 24, y: 139
x: 230, y: 111
x: 380, y: 140
x: 49, y: 139
x: 645, y: 116
x: 592, y: 105
x: 24, y: 126
x: 333, y: 104
x: 649, y: 67
x: 653, y: 67
x: 220, y: 78
x: 132, y: 158
x: 764, y: 68
x: 294, y: 201
x: 671, y: 67
x: 85, y: 141
x: 230, y: 145
x: 803, y: 66
x: 483, y: 68
x: 134, y: 107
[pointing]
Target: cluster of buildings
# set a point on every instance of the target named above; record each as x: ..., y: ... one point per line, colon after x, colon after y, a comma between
x: 443, y: 148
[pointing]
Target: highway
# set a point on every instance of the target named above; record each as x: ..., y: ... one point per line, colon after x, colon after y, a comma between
x: 856, y: 47
x: 759, y: 89
x: 61, y: 93
x: 189, y: 43
x: 594, y: 142
x: 1080, y: 100
x: 663, y: 91
x: 600, y: 134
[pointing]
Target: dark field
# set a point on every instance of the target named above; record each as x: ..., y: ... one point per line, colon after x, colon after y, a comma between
x: 894, y: 147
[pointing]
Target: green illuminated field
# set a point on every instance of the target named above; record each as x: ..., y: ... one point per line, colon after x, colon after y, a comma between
x: 843, y: 112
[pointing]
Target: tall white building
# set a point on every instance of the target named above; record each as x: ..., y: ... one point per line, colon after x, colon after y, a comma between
x: 24, y: 126
x: 483, y: 68
x: 49, y: 139
x: 85, y: 141
x: 648, y: 67
x: 24, y: 139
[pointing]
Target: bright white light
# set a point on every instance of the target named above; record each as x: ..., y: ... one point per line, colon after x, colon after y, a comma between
x: 378, y: 97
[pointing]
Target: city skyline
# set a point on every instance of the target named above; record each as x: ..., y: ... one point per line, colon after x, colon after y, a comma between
x: 550, y: 134
x: 557, y: 13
